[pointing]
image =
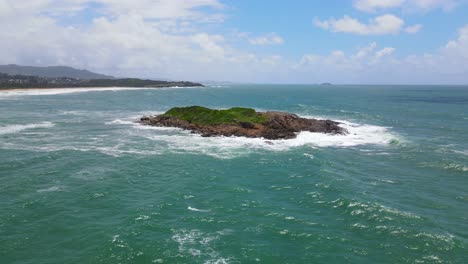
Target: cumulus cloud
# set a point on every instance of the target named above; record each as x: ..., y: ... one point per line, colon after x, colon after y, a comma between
x: 123, y: 39
x: 381, y: 25
x: 127, y: 38
x: 373, y: 5
x: 159, y: 9
x: 413, y: 29
x: 412, y: 5
x: 361, y: 59
x: 340, y: 67
x: 384, y: 52
x: 269, y: 39
x: 459, y: 46
x: 369, y: 64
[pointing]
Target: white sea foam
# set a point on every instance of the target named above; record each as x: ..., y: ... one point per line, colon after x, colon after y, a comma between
x: 218, y: 261
x: 219, y: 86
x: 120, y: 122
x: 463, y: 152
x: 162, y: 140
x: 55, y: 91
x: 227, y: 147
x: 456, y: 167
x: 179, y: 140
x: 194, y: 243
x: 182, y: 87
x: 11, y: 129
x: 197, y: 210
x: 374, y: 210
x: 115, y: 151
x: 51, y: 189
x: 142, y: 218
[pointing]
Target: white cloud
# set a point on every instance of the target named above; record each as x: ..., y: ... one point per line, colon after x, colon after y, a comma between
x: 367, y: 55
x: 381, y: 25
x: 384, y: 52
x: 366, y: 51
x: 339, y: 67
x: 269, y: 39
x: 163, y: 39
x: 425, y: 5
x: 373, y: 5
x: 156, y: 9
x: 413, y: 29
x: 409, y: 5
x: 458, y: 47
x: 133, y: 42
x: 368, y: 64
x: 163, y: 9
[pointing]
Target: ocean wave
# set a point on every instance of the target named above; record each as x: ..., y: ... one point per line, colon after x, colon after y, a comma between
x: 219, y: 86
x: 456, y: 167
x: 120, y: 122
x: 371, y: 210
x: 11, y: 129
x: 180, y: 141
x: 451, y: 166
x: 181, y: 87
x: 197, y: 244
x: 218, y: 261
x: 114, y: 151
x: 234, y: 146
x: 197, y: 210
x: 55, y: 91
x: 463, y: 152
x: 142, y: 218
x: 131, y: 138
x: 133, y: 141
x: 51, y: 189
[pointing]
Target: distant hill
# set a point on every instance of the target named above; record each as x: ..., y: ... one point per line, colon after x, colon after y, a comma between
x: 52, y: 72
x: 8, y: 81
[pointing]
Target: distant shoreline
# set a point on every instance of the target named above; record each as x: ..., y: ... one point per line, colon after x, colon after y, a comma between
x: 103, y: 87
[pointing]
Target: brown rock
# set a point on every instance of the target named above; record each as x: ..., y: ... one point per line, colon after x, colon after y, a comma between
x: 279, y: 125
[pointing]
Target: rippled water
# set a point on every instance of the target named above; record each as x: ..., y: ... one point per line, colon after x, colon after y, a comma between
x: 82, y: 183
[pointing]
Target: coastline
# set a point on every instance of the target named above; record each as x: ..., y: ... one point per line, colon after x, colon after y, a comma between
x: 35, y: 89
x: 80, y: 88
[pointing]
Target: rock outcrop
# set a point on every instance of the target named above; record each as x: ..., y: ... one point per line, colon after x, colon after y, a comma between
x: 268, y: 125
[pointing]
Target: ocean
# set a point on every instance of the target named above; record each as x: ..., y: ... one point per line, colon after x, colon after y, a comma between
x: 81, y: 182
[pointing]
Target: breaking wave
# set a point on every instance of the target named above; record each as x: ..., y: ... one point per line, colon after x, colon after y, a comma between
x: 11, y: 129
x: 220, y: 146
x: 55, y: 91
x: 126, y: 137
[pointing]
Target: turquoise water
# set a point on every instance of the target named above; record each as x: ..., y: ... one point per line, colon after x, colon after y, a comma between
x: 81, y: 183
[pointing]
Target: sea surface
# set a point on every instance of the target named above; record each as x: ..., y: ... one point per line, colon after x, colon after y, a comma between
x: 81, y: 182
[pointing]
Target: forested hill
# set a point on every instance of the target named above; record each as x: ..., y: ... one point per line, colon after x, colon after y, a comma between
x: 52, y: 72
x: 21, y: 81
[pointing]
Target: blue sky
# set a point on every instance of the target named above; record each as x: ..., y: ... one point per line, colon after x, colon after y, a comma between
x: 301, y: 41
x: 293, y: 21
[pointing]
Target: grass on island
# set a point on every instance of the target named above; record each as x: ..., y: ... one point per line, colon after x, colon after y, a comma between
x: 205, y: 116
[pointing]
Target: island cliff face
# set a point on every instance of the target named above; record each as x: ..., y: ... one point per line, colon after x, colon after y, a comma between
x: 241, y: 122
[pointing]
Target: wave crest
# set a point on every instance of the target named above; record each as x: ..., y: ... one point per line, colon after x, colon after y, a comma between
x: 11, y: 129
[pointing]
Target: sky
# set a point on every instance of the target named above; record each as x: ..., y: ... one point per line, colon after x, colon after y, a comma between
x: 255, y: 41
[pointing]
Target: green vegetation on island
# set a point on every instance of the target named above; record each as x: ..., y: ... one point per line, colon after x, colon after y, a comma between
x: 240, y: 122
x: 205, y: 116
x: 21, y: 81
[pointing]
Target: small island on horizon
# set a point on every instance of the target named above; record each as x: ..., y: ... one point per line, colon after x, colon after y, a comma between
x: 241, y: 122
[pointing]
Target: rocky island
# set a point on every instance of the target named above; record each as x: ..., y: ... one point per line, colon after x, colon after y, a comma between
x: 240, y: 122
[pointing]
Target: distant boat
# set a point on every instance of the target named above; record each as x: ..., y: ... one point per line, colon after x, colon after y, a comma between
x: 326, y: 84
